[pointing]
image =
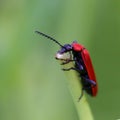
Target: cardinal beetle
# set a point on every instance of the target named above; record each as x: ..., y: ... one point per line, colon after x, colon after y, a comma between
x: 82, y: 64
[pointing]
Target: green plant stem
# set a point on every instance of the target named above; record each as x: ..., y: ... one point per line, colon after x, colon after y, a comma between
x: 82, y: 106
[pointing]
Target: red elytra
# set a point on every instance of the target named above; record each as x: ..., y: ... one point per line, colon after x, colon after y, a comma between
x: 90, y: 70
x: 88, y: 64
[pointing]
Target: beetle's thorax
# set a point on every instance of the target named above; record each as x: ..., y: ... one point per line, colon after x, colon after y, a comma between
x: 77, y: 47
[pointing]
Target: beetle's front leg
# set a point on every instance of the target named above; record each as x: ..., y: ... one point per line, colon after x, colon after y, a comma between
x: 66, y: 62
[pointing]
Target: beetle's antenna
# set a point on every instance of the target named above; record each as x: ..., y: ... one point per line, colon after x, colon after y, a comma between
x: 49, y: 38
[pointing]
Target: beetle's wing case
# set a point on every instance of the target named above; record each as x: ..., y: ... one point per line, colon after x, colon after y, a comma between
x: 88, y: 64
x: 90, y: 69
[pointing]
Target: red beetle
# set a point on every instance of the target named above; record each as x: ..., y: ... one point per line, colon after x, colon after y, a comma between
x: 82, y: 64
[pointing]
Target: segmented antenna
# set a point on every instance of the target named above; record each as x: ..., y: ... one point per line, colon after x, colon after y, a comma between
x: 49, y: 38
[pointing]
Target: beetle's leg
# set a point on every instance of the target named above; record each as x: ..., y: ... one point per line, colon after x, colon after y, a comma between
x: 89, y: 81
x: 67, y: 69
x: 66, y: 62
x: 76, y: 69
x: 82, y: 92
x: 72, y: 68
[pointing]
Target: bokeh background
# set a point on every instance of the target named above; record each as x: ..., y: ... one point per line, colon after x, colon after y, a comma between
x: 32, y: 86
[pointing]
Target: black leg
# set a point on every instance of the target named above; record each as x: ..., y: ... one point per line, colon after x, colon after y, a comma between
x: 82, y: 92
x: 67, y: 69
x: 66, y: 62
x: 89, y: 81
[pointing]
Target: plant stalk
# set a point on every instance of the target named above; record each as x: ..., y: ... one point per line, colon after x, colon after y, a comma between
x: 75, y: 87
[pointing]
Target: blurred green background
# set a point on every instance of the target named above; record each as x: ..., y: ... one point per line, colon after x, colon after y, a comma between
x: 32, y: 86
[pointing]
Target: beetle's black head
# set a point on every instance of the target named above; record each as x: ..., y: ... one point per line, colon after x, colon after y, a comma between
x: 65, y: 48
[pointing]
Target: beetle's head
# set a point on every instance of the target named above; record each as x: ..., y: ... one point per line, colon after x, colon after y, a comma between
x: 64, y: 52
x: 65, y: 48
